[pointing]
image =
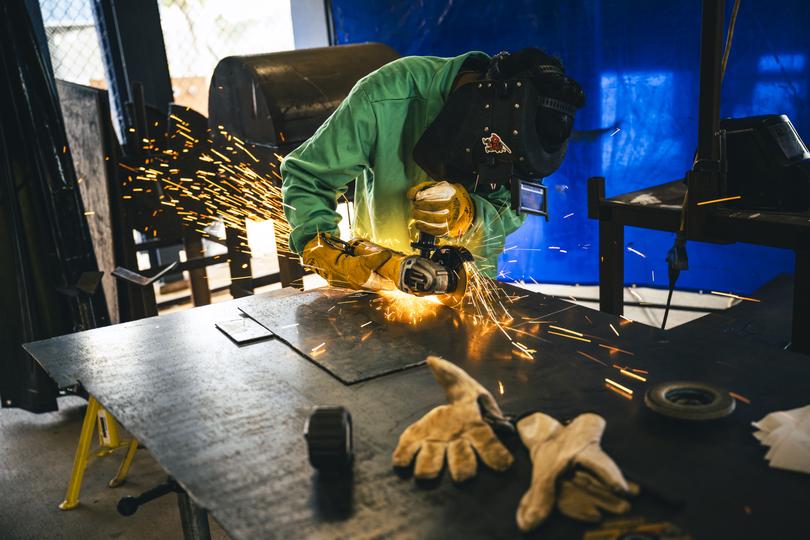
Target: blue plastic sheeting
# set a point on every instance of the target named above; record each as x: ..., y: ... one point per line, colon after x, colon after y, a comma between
x: 638, y: 63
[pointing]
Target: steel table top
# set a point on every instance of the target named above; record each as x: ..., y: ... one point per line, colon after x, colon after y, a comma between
x: 226, y: 421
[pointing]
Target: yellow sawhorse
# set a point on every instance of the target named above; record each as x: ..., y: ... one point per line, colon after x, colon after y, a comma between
x: 109, y: 441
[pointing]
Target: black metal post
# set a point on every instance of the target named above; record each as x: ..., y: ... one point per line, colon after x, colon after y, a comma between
x: 193, y: 519
x: 800, y: 340
x: 711, y: 52
x: 704, y: 180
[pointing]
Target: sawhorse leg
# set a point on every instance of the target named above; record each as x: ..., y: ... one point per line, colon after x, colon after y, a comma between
x: 611, y: 267
x: 123, y: 469
x: 108, y: 442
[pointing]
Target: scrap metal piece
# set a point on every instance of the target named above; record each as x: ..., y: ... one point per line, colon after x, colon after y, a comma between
x: 243, y: 330
x: 139, y: 279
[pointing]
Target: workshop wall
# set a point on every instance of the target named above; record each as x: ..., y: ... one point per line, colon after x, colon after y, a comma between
x: 637, y: 61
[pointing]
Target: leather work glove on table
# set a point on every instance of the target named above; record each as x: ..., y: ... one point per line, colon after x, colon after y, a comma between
x: 441, y: 208
x: 584, y: 495
x: 455, y: 429
x: 554, y: 449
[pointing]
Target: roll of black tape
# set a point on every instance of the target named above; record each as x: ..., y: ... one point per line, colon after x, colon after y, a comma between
x: 689, y: 400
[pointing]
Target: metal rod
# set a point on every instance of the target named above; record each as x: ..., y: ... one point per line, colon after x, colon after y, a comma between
x: 711, y: 43
x: 194, y: 519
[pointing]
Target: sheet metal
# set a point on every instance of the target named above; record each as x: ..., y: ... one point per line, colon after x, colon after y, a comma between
x: 226, y: 421
x: 355, y: 338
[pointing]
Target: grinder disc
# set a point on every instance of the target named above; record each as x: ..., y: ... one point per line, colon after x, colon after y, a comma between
x: 453, y: 258
x: 689, y: 400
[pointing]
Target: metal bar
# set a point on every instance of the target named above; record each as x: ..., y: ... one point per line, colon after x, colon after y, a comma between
x: 194, y: 519
x: 611, y: 267
x: 800, y: 340
x: 711, y: 51
x: 239, y: 265
x: 199, y: 280
x: 596, y: 195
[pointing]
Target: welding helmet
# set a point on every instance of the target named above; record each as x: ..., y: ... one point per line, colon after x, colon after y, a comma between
x: 509, y: 128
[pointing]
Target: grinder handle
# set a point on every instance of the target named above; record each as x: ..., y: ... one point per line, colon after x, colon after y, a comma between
x: 426, y: 244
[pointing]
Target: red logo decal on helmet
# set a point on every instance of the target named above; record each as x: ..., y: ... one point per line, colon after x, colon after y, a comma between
x: 495, y: 145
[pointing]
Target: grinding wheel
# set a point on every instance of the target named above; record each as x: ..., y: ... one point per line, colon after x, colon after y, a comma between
x: 689, y: 400
x: 457, y: 296
x: 454, y: 258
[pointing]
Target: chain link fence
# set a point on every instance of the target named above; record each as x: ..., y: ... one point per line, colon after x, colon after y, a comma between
x: 73, y: 41
x: 199, y: 33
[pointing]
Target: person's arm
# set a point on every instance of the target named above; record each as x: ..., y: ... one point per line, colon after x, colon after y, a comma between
x: 317, y: 172
x: 494, y: 221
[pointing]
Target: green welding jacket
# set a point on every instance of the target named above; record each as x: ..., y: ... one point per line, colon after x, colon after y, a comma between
x: 370, y: 138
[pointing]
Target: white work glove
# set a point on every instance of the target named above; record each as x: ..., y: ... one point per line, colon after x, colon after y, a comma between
x: 554, y: 449
x: 455, y: 429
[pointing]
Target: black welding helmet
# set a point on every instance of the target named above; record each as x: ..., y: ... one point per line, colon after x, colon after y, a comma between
x: 510, y: 128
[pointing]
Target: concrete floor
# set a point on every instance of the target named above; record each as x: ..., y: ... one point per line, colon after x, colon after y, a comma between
x: 36, y: 456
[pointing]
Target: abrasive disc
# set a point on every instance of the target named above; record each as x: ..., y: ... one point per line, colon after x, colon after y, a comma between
x: 689, y: 400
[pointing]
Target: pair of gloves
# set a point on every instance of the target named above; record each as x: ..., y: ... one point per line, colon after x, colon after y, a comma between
x: 460, y: 431
x: 438, y: 208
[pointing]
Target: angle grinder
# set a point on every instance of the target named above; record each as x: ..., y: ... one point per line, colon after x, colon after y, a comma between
x: 437, y: 270
x: 447, y: 278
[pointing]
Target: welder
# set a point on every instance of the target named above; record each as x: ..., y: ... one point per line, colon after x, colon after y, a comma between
x: 437, y: 146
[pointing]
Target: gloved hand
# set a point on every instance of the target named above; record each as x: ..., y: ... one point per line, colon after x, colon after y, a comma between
x: 582, y: 496
x: 554, y: 449
x: 455, y: 429
x: 409, y: 273
x: 343, y: 266
x: 441, y: 208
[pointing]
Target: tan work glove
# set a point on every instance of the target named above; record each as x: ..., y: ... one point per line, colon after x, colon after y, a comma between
x: 455, y: 429
x: 554, y: 449
x: 328, y: 257
x: 583, y: 496
x: 441, y: 208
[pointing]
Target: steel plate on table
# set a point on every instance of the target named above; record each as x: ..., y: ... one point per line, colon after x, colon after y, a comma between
x: 344, y: 333
x: 358, y: 336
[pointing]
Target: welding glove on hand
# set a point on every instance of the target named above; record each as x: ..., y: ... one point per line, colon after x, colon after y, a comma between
x: 441, y: 208
x: 360, y: 264
x: 329, y: 258
x: 455, y: 429
x: 554, y: 449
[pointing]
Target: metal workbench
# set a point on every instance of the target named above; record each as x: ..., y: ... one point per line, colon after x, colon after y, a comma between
x: 659, y: 208
x: 226, y: 421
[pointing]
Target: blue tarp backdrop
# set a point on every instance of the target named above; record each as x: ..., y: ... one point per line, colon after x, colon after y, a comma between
x: 638, y: 63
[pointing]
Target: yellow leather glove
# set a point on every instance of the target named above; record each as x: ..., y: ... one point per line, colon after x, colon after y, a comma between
x: 441, y: 208
x: 455, y: 429
x: 584, y: 495
x: 432, y: 277
x: 342, y: 266
x: 554, y: 449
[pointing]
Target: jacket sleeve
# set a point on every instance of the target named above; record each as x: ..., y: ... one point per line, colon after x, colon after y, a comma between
x: 317, y: 172
x: 494, y: 221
